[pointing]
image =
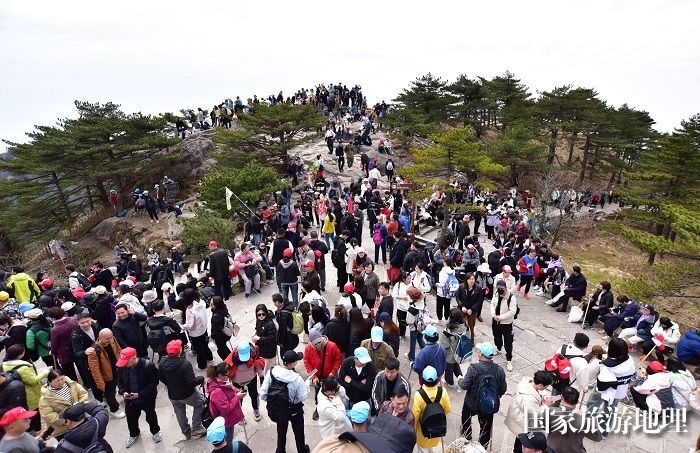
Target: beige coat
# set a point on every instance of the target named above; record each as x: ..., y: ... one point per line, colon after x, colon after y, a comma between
x: 50, y: 404
x: 526, y: 400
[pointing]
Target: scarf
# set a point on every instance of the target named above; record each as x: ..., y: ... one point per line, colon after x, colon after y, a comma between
x: 252, y: 362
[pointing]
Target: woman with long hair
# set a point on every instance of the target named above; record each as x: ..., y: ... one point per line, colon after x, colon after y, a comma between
x: 265, y: 336
x: 391, y: 332
x: 338, y: 329
x: 450, y: 340
x: 196, y: 326
x: 219, y: 313
x: 402, y: 300
x: 470, y: 297
x: 360, y: 328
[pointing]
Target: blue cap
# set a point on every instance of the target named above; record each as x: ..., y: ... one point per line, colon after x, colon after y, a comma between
x: 486, y: 348
x: 359, y: 413
x: 243, y: 348
x: 431, y: 332
x: 216, y: 433
x: 25, y: 307
x: 362, y: 355
x: 430, y: 374
x: 377, y: 334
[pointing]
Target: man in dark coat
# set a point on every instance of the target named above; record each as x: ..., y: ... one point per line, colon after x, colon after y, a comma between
x: 86, y: 423
x: 103, y: 276
x: 177, y: 374
x: 128, y: 331
x: 137, y: 382
x: 575, y: 288
x: 219, y: 270
x: 12, y: 393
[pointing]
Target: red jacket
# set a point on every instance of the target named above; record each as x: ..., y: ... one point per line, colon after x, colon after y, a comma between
x: 313, y: 358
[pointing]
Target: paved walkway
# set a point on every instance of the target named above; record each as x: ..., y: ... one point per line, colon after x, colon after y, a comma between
x: 539, y: 330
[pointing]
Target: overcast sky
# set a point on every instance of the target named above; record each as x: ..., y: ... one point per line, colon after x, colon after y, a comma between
x: 157, y: 56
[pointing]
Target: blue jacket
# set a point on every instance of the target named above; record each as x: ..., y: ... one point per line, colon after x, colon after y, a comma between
x: 688, y: 348
x: 630, y: 311
x: 433, y: 355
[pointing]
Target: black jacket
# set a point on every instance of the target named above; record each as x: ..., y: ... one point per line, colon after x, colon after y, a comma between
x: 267, y: 344
x: 317, y: 244
x: 104, y: 278
x: 356, y: 390
x: 130, y: 334
x: 146, y: 380
x: 278, y: 247
x: 104, y: 314
x: 219, y: 264
x: 398, y: 253
x: 469, y: 300
x: 80, y: 341
x: 96, y: 418
x: 340, y: 249
x: 338, y: 331
x: 160, y: 323
x: 12, y: 392
x: 178, y: 376
x: 287, y: 272
x: 285, y: 337
x: 217, y: 324
x: 576, y: 286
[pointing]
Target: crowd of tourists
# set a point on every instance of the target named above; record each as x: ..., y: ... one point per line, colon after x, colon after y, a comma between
x: 113, y: 333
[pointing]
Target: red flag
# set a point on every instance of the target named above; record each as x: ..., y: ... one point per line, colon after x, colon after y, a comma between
x: 659, y: 342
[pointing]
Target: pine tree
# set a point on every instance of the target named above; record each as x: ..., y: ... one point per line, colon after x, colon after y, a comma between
x: 455, y: 154
x: 470, y: 104
x: 553, y: 112
x: 509, y: 99
x: 268, y: 133
x: 428, y: 96
x: 664, y: 191
x: 520, y: 149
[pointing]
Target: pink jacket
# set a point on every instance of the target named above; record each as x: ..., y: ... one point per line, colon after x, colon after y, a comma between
x: 241, y: 258
x: 224, y: 401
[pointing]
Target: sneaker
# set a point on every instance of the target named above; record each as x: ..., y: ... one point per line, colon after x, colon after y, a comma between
x: 157, y: 221
x: 200, y: 432
x: 151, y: 221
x: 256, y: 415
x: 103, y: 404
x: 157, y: 437
x: 498, y: 351
x: 536, y: 287
x: 246, y: 295
x: 540, y: 292
x: 315, y: 415
x: 479, y: 318
x: 509, y: 366
x: 605, y: 338
x: 118, y: 414
x: 257, y: 291
x: 131, y: 441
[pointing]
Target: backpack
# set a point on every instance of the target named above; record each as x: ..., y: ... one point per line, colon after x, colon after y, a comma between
x: 207, y: 418
x: 487, y: 391
x: 377, y: 235
x: 157, y: 339
x: 451, y: 285
x: 332, y: 193
x: 84, y: 282
x: 559, y: 366
x: 96, y: 445
x: 297, y: 321
x: 229, y: 327
x: 277, y: 399
x: 390, y: 166
x: 433, y: 421
x: 465, y: 347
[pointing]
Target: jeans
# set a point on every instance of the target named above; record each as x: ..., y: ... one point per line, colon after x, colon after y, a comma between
x: 485, y: 425
x: 329, y: 237
x: 133, y: 409
x: 297, y: 420
x: 602, y: 411
x: 196, y: 400
x: 257, y: 237
x: 254, y: 283
x: 416, y: 337
x: 222, y: 288
x: 109, y: 394
x: 503, y: 336
x: 294, y: 287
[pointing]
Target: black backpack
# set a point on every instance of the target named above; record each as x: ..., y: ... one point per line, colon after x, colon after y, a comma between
x: 96, y: 445
x: 84, y: 282
x: 433, y: 421
x: 277, y: 400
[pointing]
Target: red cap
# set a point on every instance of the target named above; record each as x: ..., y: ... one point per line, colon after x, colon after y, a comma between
x: 174, y: 347
x: 349, y: 287
x: 318, y: 254
x: 14, y: 414
x: 309, y: 263
x: 126, y: 355
x: 287, y: 253
x: 213, y: 244
x: 46, y: 283
x: 132, y: 278
x: 656, y: 366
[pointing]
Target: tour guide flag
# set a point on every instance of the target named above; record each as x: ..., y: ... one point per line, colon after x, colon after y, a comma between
x: 229, y: 194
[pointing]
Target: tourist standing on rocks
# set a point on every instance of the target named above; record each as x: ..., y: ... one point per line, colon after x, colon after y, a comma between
x: 219, y: 263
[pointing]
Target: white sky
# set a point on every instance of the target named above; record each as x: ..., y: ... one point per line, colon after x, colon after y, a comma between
x: 156, y: 56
